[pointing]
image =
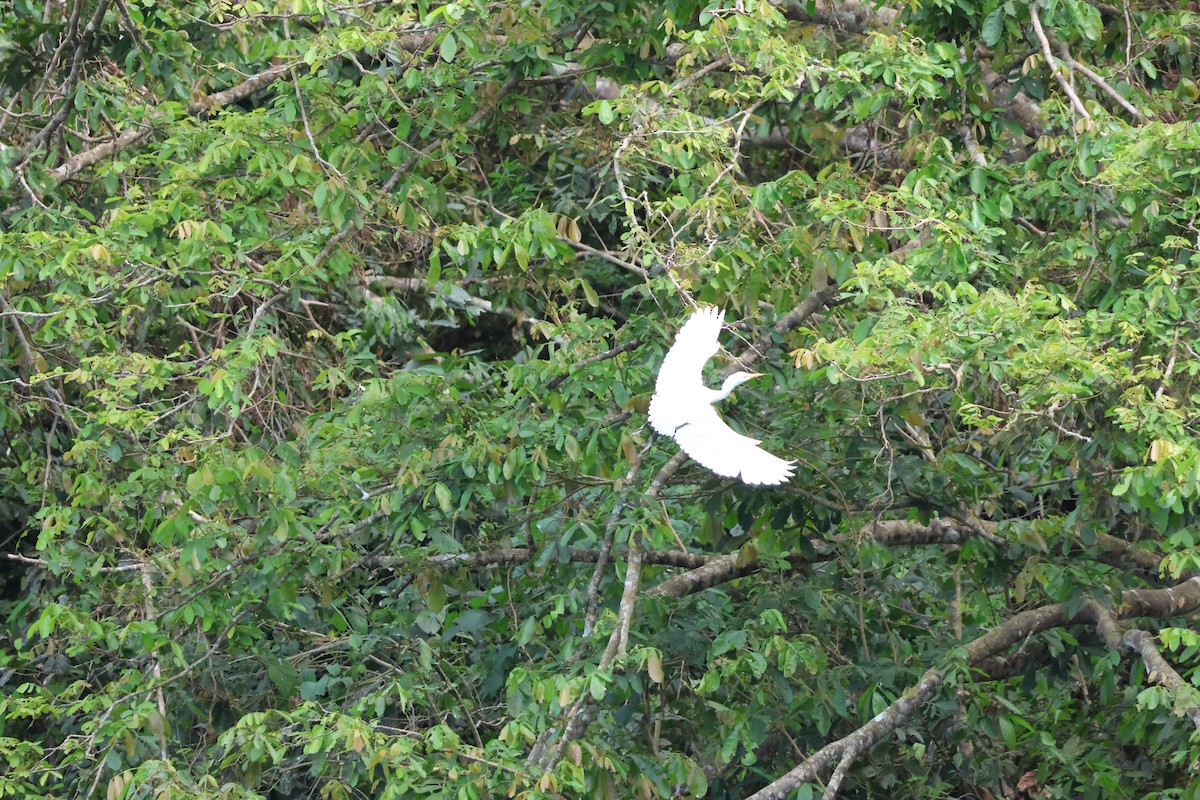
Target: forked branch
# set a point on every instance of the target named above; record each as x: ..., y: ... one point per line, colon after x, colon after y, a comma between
x: 1160, y: 603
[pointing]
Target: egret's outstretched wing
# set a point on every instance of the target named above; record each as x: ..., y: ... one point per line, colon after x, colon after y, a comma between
x: 713, y: 444
x: 680, y: 381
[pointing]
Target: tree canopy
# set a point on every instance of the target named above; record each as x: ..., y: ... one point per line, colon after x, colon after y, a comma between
x: 328, y: 331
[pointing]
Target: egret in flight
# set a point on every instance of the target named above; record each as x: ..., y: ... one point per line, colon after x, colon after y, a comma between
x: 682, y: 407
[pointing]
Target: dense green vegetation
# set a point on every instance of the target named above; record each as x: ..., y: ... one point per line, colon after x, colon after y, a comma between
x: 327, y: 331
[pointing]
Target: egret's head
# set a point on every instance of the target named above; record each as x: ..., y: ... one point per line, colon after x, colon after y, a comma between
x: 737, y: 379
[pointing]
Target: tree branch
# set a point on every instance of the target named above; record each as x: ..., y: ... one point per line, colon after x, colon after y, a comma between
x: 1055, y: 70
x: 1020, y: 107
x: 1103, y: 84
x: 1157, y: 669
x: 1173, y: 601
x: 213, y: 102
x: 846, y: 15
x: 814, y: 302
x: 83, y: 43
x: 557, y: 380
x: 724, y: 568
x: 972, y: 145
x: 203, y: 107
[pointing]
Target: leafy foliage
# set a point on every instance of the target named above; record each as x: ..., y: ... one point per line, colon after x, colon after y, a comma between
x: 328, y: 330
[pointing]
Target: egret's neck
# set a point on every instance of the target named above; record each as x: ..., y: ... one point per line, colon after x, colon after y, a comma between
x: 726, y: 389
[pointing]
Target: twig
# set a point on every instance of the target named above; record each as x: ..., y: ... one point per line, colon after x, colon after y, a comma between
x: 476, y: 118
x: 610, y: 532
x: 312, y: 143
x: 604, y: 255
x: 41, y: 562
x: 557, y: 380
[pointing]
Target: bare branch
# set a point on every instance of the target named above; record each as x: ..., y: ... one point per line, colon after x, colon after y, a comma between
x: 1020, y: 107
x: 203, y: 107
x: 1157, y: 669
x: 839, y: 773
x: 861, y: 740
x: 605, y: 255
x: 88, y: 158
x: 41, y: 562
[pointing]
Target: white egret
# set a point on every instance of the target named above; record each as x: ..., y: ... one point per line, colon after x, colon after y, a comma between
x: 682, y: 407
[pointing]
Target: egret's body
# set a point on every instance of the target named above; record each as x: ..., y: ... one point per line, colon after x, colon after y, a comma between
x: 682, y: 408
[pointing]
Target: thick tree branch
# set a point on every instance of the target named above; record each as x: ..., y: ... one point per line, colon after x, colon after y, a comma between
x: 239, y: 92
x: 718, y: 570
x: 817, y: 765
x: 1019, y: 107
x: 89, y: 158
x: 846, y: 15
x: 1157, y: 669
x: 1173, y: 601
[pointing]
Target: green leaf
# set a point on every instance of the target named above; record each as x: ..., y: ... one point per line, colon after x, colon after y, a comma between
x: 605, y: 112
x: 444, y: 499
x: 993, y: 27
x: 978, y: 181
x: 589, y: 293
x: 449, y: 47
